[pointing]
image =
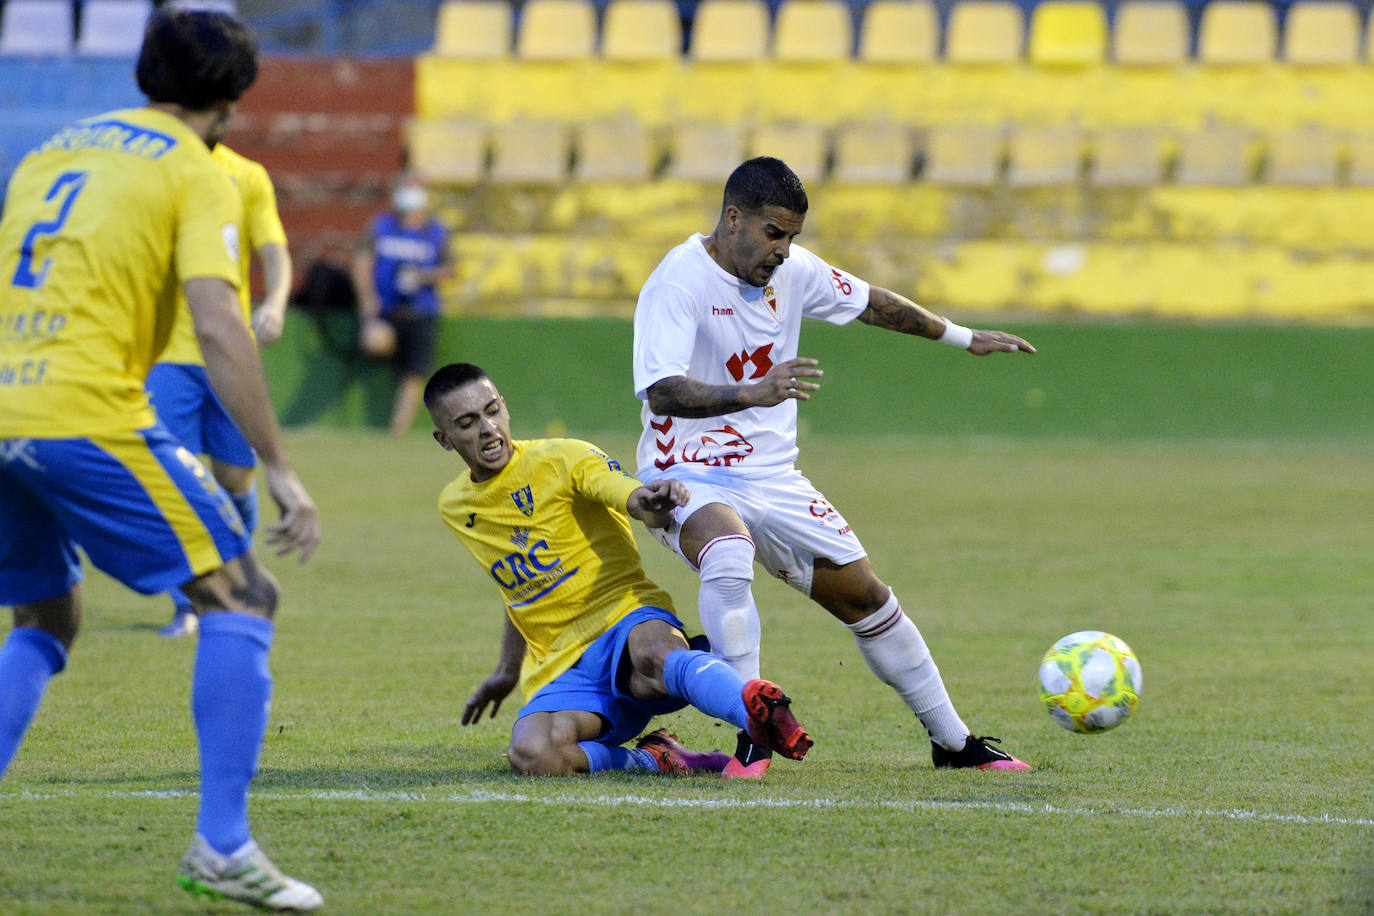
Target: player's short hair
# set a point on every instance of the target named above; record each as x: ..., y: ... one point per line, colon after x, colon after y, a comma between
x: 447, y: 378
x: 195, y: 58
x: 764, y: 182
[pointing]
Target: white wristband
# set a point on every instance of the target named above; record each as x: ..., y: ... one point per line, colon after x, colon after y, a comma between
x: 956, y: 335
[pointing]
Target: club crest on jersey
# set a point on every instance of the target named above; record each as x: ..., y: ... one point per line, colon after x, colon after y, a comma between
x: 520, y: 537
x: 771, y: 298
x: 524, y: 501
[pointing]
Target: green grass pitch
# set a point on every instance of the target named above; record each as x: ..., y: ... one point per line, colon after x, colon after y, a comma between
x: 1239, y: 572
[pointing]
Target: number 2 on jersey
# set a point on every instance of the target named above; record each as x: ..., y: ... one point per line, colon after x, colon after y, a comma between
x: 70, y: 185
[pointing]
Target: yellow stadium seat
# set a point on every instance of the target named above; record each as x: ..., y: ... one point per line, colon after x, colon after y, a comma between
x: 899, y: 32
x: 1068, y: 33
x: 1215, y: 156
x: 1127, y: 157
x: 556, y: 30
x: 1321, y: 33
x: 1237, y: 33
x: 963, y: 154
x: 641, y: 30
x: 1361, y: 150
x: 1304, y: 156
x: 1043, y: 156
x: 985, y: 32
x: 705, y: 151
x: 810, y: 31
x: 473, y: 29
x: 447, y: 150
x: 730, y: 30
x: 1150, y: 33
x: 801, y: 144
x: 612, y: 149
x: 529, y: 152
x: 873, y: 152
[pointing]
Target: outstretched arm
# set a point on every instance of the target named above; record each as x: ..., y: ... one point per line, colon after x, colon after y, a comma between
x: 888, y: 310
x: 501, y: 681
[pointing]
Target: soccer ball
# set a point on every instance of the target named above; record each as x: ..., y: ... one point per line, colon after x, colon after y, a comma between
x: 1089, y: 681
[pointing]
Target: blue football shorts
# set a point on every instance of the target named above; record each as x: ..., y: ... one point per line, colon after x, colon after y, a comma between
x: 590, y: 684
x: 187, y: 405
x: 137, y: 502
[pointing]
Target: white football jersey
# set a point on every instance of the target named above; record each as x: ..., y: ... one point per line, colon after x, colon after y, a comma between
x: 696, y: 319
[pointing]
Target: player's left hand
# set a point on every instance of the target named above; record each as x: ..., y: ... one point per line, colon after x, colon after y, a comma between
x: 267, y: 325
x: 985, y: 342
x: 298, y: 529
x: 653, y: 503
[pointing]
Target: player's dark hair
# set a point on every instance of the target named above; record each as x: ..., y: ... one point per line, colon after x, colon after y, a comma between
x: 765, y: 182
x: 196, y: 58
x: 447, y: 378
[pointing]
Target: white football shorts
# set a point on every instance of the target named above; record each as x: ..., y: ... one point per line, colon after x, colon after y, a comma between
x: 791, y: 523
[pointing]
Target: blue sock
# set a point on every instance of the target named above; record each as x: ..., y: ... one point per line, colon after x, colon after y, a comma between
x: 708, y: 682
x: 247, y: 504
x: 181, y: 602
x: 230, y: 692
x: 608, y: 757
x: 29, y: 659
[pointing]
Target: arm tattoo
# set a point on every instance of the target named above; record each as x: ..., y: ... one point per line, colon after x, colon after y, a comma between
x: 681, y: 396
x: 888, y: 310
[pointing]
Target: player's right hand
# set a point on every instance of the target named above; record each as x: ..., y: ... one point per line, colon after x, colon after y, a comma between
x: 493, y: 690
x: 787, y: 380
x: 298, y: 529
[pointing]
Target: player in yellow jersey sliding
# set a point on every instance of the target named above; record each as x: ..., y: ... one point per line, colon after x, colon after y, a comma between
x: 181, y: 392
x: 103, y: 224
x: 593, y: 643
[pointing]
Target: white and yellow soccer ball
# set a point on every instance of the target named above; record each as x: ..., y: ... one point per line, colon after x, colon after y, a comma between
x: 1089, y: 681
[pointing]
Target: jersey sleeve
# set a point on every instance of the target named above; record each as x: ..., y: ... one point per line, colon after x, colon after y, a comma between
x: 260, y: 203
x: 830, y: 294
x: 598, y: 476
x: 207, y: 226
x: 665, y: 328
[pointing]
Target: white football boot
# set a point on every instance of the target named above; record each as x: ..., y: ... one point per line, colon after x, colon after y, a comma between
x: 247, y: 876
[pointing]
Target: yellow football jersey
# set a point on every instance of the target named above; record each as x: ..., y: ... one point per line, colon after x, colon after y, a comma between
x: 259, y: 225
x: 102, y: 225
x: 552, y: 533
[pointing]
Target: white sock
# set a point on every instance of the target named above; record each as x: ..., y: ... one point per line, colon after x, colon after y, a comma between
x: 726, y: 604
x: 895, y: 651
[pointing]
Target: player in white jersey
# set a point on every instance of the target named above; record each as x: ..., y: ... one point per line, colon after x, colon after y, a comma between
x: 716, y: 331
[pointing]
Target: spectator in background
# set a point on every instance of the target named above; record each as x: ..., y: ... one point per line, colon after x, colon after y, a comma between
x: 398, y: 263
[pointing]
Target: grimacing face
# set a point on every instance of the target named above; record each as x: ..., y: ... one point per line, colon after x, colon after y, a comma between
x: 758, y: 243
x: 473, y: 421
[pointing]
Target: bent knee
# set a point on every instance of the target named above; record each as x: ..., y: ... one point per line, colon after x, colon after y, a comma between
x: 542, y: 758
x: 242, y: 585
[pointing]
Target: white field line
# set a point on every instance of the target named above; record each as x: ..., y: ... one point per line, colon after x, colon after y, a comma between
x: 727, y: 804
